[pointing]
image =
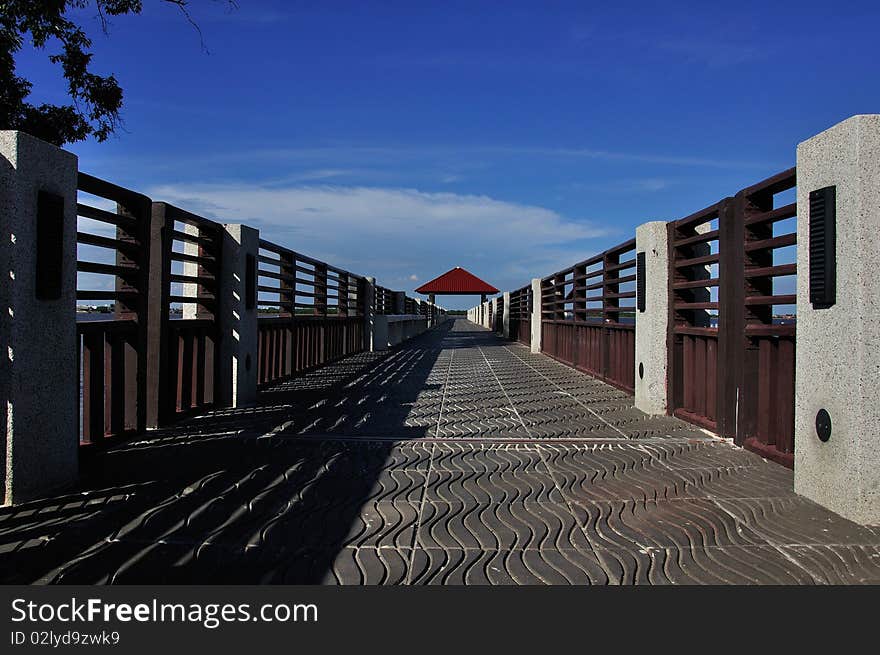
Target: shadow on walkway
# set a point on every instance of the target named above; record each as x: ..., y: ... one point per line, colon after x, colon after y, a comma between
x: 241, y: 495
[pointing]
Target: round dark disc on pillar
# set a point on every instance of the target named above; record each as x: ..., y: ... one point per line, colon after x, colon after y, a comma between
x: 823, y: 425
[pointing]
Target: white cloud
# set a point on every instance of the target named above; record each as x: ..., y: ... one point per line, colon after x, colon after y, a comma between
x: 389, y: 233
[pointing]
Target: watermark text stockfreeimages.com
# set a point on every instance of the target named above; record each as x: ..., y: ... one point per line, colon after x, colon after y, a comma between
x: 208, y: 615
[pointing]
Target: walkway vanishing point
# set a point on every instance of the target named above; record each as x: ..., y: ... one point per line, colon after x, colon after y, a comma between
x: 458, y: 458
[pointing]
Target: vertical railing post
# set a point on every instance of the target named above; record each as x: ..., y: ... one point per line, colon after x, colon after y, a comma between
x: 537, y: 307
x: 287, y: 296
x: 136, y: 363
x: 837, y: 415
x: 320, y: 290
x: 156, y: 351
x: 731, y: 320
x: 237, y: 317
x: 38, y: 335
x: 505, y: 319
x: 674, y: 342
x: 342, y: 302
x: 652, y: 317
x: 320, y: 309
x: 746, y: 206
x: 610, y: 303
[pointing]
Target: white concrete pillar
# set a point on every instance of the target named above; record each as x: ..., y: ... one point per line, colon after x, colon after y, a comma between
x: 39, y: 373
x: 652, y: 357
x: 505, y: 319
x: 369, y: 299
x: 838, y: 347
x: 536, y: 315
x: 237, y: 318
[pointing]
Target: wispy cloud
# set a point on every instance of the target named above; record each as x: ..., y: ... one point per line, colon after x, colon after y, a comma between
x: 714, y: 53
x: 389, y: 154
x: 400, y: 235
x: 648, y: 184
x: 446, y: 164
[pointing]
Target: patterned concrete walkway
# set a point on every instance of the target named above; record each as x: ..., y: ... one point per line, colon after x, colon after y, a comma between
x: 458, y: 459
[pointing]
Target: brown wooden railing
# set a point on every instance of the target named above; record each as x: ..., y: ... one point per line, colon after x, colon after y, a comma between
x: 693, y: 342
x: 731, y: 337
x: 767, y: 391
x: 312, y: 313
x: 149, y: 351
x: 113, y: 247
x: 521, y: 315
x: 586, y: 315
x: 192, y: 260
x: 383, y: 301
x: 731, y: 356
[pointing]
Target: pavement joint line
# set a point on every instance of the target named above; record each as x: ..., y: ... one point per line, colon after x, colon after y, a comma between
x: 495, y: 375
x: 418, y: 526
x: 566, y: 393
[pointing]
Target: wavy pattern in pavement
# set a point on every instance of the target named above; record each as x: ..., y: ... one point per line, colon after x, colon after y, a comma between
x: 457, y: 459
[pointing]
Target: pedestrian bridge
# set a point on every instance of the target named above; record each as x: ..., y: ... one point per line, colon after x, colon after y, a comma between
x: 458, y: 458
x: 694, y: 404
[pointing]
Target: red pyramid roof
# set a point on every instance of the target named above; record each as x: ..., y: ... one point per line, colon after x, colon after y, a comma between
x: 457, y: 281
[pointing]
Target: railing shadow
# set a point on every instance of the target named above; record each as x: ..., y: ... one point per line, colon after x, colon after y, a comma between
x: 248, y: 496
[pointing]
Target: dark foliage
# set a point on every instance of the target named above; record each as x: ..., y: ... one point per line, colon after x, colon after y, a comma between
x: 96, y: 99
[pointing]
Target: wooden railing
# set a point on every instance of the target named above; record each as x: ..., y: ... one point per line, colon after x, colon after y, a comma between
x: 521, y: 315
x: 693, y: 356
x: 383, y: 300
x: 731, y: 337
x: 312, y: 313
x: 192, y: 260
x: 113, y: 248
x: 731, y: 355
x: 587, y: 315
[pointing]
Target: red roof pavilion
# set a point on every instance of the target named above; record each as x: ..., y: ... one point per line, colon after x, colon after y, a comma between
x: 457, y: 282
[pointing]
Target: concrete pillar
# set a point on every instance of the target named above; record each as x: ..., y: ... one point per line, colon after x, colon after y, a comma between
x: 39, y: 373
x: 237, y: 318
x: 536, y: 315
x: 838, y: 347
x: 399, y: 302
x: 505, y: 319
x: 652, y: 357
x: 369, y: 300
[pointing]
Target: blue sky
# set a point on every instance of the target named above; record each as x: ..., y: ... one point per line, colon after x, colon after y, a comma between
x: 399, y: 139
